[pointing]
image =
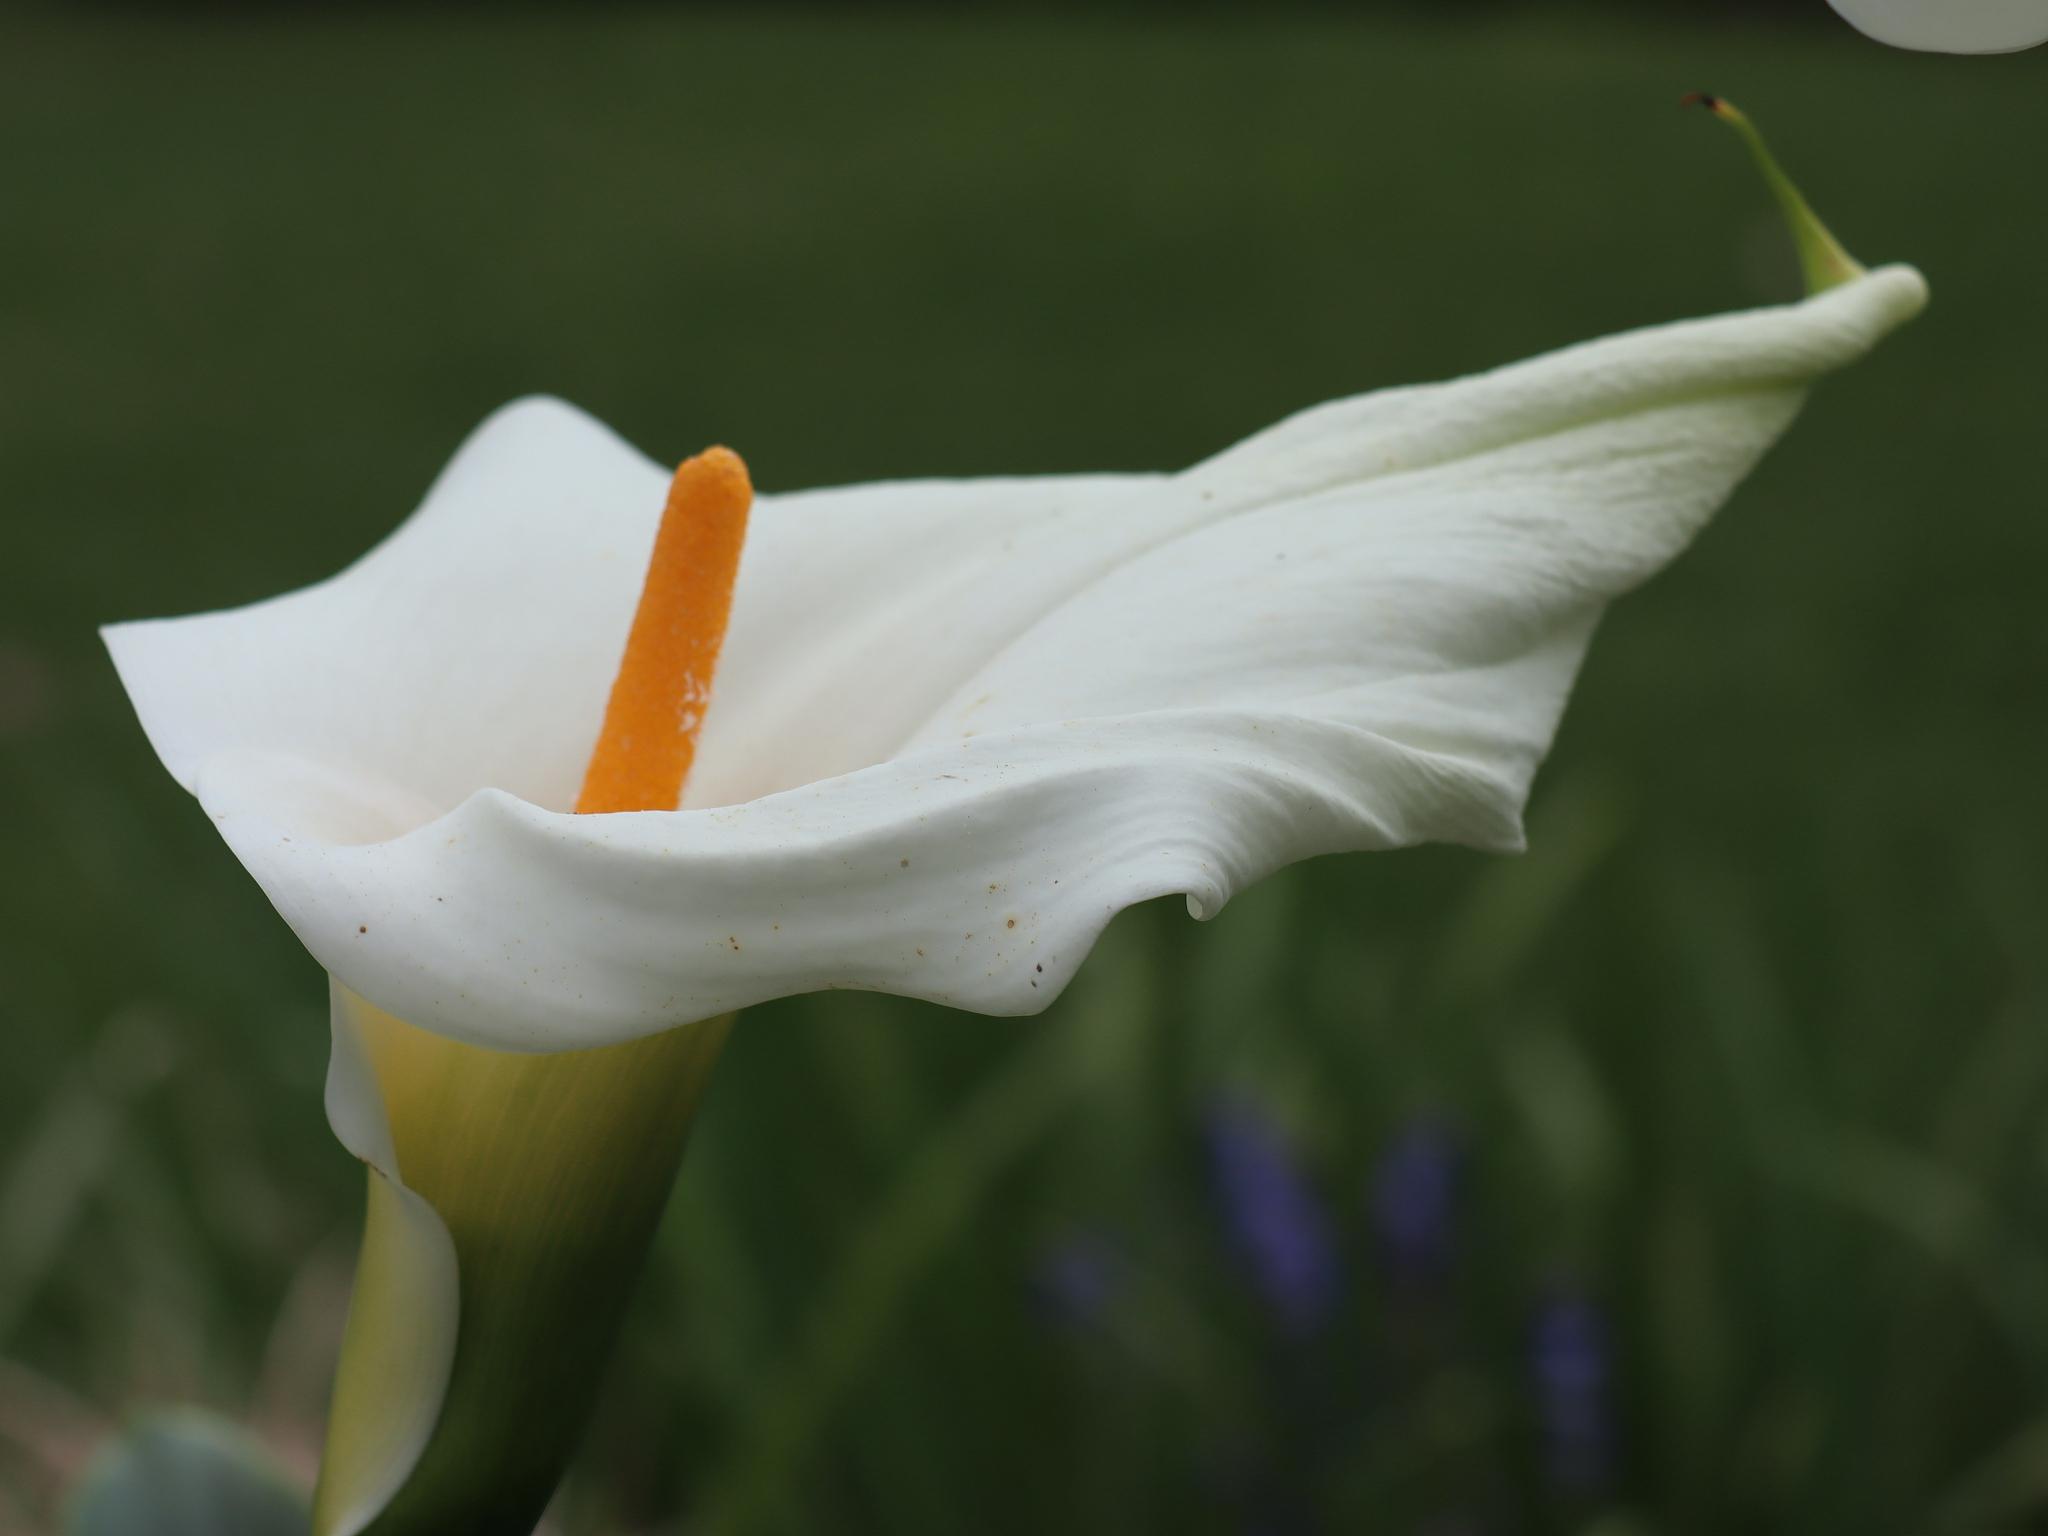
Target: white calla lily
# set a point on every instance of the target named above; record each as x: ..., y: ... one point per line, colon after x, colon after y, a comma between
x: 959, y: 725
x: 1950, y: 26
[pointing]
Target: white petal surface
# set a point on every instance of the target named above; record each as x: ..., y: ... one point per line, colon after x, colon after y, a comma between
x: 959, y: 726
x: 474, y: 646
x: 859, y: 609
x: 1951, y: 26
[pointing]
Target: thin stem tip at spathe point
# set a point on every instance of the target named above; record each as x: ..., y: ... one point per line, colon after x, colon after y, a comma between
x: 1821, y: 256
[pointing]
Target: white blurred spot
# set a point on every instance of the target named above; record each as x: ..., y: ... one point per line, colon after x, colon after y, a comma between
x: 1951, y: 26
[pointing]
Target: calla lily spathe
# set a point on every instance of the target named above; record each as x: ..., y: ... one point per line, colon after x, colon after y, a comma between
x: 959, y: 725
x: 1951, y: 26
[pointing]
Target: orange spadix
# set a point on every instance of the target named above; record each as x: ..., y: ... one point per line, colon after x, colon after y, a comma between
x: 657, y: 703
x: 547, y: 1172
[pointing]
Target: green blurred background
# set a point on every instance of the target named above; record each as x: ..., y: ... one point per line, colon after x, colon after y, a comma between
x: 1687, y: 1175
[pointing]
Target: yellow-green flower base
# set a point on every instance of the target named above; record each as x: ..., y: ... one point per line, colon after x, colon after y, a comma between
x: 549, y: 1173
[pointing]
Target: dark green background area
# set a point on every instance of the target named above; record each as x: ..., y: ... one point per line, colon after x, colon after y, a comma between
x: 1750, y: 1049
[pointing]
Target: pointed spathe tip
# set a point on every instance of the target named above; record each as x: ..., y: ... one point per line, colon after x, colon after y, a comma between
x: 1821, y: 256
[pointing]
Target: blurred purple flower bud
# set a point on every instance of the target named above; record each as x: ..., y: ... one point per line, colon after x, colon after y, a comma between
x: 1274, y: 1218
x: 1414, y: 1202
x: 1571, y: 1367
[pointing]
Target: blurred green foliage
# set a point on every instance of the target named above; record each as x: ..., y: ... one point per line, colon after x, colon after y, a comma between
x: 1748, y: 1055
